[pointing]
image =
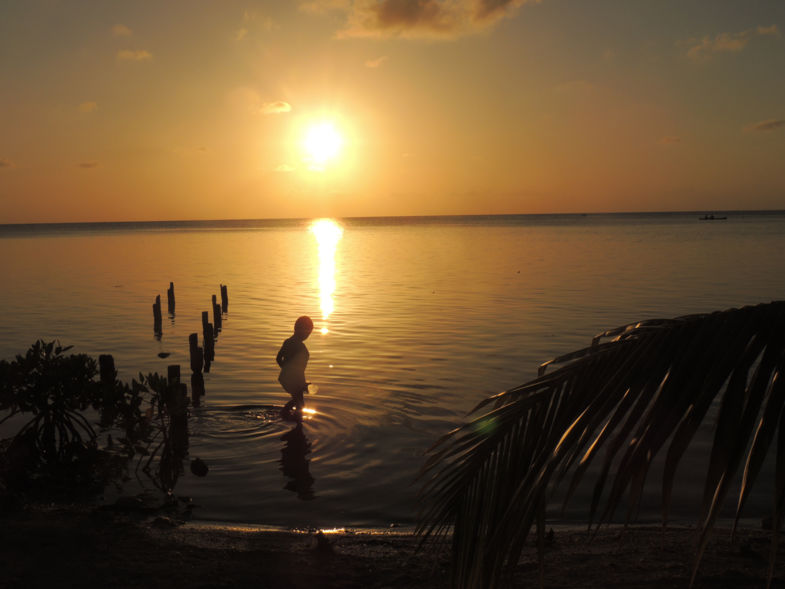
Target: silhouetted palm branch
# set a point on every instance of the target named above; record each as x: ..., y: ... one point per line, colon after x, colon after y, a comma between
x: 635, y: 390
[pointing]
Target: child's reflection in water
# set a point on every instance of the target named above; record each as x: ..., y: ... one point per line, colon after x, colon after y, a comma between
x: 294, y: 465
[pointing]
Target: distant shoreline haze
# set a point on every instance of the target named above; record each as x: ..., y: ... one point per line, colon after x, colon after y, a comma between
x: 8, y: 229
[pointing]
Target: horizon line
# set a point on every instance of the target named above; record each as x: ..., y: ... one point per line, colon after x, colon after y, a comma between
x: 367, y: 217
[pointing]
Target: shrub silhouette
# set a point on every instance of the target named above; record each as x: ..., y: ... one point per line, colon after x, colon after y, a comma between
x: 60, y: 403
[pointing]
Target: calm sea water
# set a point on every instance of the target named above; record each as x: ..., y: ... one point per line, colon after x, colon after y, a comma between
x: 417, y: 320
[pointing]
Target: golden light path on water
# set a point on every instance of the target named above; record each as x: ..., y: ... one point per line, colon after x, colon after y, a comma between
x: 327, y: 233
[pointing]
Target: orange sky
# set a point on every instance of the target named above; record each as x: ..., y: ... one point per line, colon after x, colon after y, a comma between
x: 201, y: 109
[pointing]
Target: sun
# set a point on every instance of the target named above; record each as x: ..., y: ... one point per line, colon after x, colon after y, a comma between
x: 322, y: 144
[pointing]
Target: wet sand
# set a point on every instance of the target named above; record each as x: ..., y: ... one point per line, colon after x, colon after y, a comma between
x: 56, y: 548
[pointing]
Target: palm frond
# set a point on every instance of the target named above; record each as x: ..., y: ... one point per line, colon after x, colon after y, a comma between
x: 635, y: 390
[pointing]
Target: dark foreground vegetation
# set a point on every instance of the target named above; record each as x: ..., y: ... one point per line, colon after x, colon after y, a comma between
x: 636, y: 391
x: 74, y: 433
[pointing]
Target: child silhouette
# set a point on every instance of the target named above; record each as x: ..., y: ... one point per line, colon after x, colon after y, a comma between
x: 293, y: 358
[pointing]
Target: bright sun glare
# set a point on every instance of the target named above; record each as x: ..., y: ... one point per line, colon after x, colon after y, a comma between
x: 322, y: 144
x: 327, y: 233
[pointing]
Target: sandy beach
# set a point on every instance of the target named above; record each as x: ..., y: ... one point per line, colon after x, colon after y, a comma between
x: 100, y: 548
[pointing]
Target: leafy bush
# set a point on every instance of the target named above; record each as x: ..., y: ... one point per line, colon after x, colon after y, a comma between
x: 57, y: 444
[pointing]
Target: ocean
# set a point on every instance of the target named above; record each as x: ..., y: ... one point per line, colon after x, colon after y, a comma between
x: 417, y: 319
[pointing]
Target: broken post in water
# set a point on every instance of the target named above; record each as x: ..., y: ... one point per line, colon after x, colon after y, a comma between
x: 224, y: 298
x: 177, y: 406
x: 170, y: 297
x: 216, y: 315
x: 173, y: 374
x: 157, y: 328
x: 209, y: 341
x: 197, y: 361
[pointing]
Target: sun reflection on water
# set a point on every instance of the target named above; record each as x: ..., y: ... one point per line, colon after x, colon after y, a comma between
x: 327, y: 233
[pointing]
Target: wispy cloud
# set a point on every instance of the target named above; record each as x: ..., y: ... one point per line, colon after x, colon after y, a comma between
x: 248, y: 99
x: 134, y: 55
x: 4, y: 163
x: 766, y: 126
x: 701, y: 49
x: 121, y: 31
x: 325, y: 6
x: 374, y: 63
x: 440, y: 19
x: 88, y: 165
x: 669, y: 140
x: 274, y: 108
x: 772, y: 31
x: 88, y: 106
x: 253, y: 22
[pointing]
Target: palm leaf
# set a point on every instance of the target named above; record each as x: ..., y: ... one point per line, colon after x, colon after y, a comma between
x: 635, y: 390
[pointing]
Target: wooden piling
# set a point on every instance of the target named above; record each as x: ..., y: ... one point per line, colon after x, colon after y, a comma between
x: 197, y: 388
x: 216, y: 316
x: 157, y: 315
x: 224, y: 299
x: 179, y: 422
x: 209, y: 347
x: 173, y: 374
x: 197, y: 354
x: 170, y: 297
x: 198, y: 359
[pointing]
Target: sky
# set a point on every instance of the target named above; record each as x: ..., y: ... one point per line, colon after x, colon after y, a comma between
x: 208, y: 109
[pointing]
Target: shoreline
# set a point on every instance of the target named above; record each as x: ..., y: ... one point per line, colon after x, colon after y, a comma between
x: 99, y: 548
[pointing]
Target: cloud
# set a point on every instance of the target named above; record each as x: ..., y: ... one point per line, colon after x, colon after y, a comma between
x: 121, y: 31
x: 4, y: 163
x: 134, y: 55
x: 248, y: 99
x: 766, y: 126
x: 88, y: 165
x: 700, y: 50
x: 274, y: 108
x: 285, y: 168
x: 325, y: 6
x: 771, y: 31
x: 88, y: 106
x: 441, y: 19
x: 252, y: 21
x: 374, y: 63
x: 669, y: 140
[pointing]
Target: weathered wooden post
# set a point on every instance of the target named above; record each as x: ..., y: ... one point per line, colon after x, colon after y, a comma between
x: 197, y: 361
x: 108, y: 375
x: 173, y: 374
x: 157, y: 316
x: 209, y: 341
x: 177, y: 406
x: 170, y: 297
x: 224, y: 298
x: 216, y: 315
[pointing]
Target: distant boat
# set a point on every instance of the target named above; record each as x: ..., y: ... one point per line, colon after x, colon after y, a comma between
x: 711, y: 218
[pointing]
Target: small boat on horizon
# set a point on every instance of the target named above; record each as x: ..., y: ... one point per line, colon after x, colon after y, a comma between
x: 712, y: 218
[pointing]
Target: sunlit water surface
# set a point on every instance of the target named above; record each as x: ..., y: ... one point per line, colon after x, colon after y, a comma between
x: 416, y: 321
